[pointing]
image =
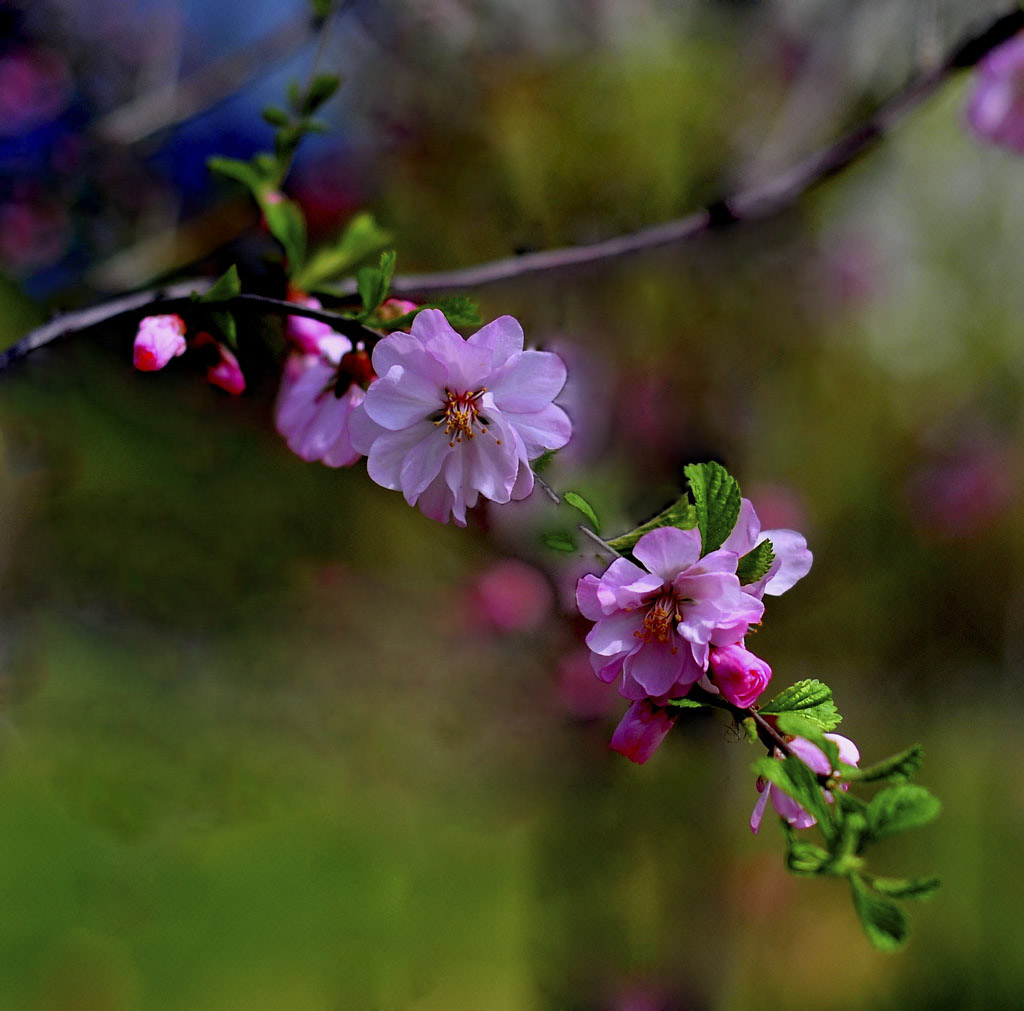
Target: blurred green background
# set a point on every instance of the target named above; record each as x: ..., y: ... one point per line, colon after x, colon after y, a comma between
x: 262, y: 744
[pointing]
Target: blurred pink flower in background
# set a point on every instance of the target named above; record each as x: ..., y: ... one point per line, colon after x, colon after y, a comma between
x: 306, y: 333
x: 34, y: 232
x: 583, y: 696
x: 817, y: 761
x: 158, y: 340
x: 995, y: 110
x: 511, y: 596
x: 35, y: 87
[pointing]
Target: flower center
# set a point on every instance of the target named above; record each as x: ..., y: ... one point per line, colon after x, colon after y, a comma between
x: 459, y: 413
x: 661, y: 619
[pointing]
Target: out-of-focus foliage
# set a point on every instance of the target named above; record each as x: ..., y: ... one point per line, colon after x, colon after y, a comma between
x: 261, y: 749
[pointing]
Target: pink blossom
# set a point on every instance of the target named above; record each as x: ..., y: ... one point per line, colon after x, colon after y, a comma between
x: 319, y: 393
x: 654, y: 626
x: 641, y: 730
x: 738, y: 674
x: 306, y: 333
x: 792, y: 559
x: 158, y: 340
x: 225, y: 372
x: 580, y: 693
x: 451, y: 420
x: 393, y: 308
x: 995, y: 110
x: 817, y: 761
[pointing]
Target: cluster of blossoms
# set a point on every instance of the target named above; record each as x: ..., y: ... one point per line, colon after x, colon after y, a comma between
x: 442, y: 419
x: 161, y: 338
x: 679, y: 618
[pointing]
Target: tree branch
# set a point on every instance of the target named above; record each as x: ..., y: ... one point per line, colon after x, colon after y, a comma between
x: 747, y: 205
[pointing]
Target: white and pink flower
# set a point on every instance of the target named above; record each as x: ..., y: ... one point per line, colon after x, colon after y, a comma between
x: 792, y: 558
x: 451, y: 420
x: 817, y: 761
x: 655, y: 625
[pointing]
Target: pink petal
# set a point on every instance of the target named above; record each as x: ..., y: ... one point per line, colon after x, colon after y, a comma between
x: 655, y: 666
x: 549, y: 428
x: 744, y: 534
x: 614, y: 634
x: 389, y: 450
x: 529, y: 382
x: 667, y: 551
x: 503, y: 337
x: 792, y: 560
x: 402, y: 398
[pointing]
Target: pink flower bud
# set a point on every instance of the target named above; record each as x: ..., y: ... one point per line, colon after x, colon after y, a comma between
x: 392, y: 308
x: 159, y: 339
x: 225, y: 371
x: 995, y: 111
x: 738, y: 674
x: 641, y: 730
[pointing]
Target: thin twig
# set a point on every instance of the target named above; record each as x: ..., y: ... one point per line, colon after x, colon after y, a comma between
x: 605, y: 546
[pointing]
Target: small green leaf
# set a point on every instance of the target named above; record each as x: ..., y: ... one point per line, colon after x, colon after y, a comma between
x: 558, y: 541
x: 276, y: 116
x: 904, y: 888
x: 801, y: 725
x: 754, y: 565
x: 320, y: 89
x: 373, y: 282
x: 361, y: 237
x: 247, y: 173
x: 287, y: 224
x: 686, y: 703
x: 794, y: 779
x: 806, y: 859
x: 884, y: 923
x: 901, y: 807
x: 899, y: 768
x: 716, y: 499
x: 225, y: 322
x: 543, y: 461
x: 579, y: 503
x: 680, y: 514
x: 459, y: 310
x: 810, y: 698
x: 226, y: 286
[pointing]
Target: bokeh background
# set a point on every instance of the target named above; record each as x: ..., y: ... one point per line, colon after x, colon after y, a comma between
x: 270, y: 739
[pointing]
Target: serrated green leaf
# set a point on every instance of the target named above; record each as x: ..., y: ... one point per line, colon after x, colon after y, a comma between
x: 226, y: 286
x: 904, y: 888
x: 884, y: 923
x: 901, y: 807
x: 225, y: 322
x: 459, y: 310
x: 716, y: 499
x: 899, y: 768
x: 680, y: 514
x: 361, y: 237
x: 320, y: 89
x: 558, y: 541
x: 579, y: 503
x: 754, y: 565
x: 373, y: 283
x: 287, y: 224
x: 810, y: 698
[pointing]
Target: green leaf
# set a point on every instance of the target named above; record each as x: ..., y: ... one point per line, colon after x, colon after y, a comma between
x: 686, y: 703
x: 806, y: 859
x: 796, y: 780
x: 247, y: 173
x: 321, y: 8
x: 579, y: 503
x: 225, y: 322
x: 320, y: 89
x: 884, y: 923
x: 899, y: 768
x: 904, y: 888
x: 543, y: 461
x: 558, y: 541
x: 680, y: 514
x: 459, y: 310
x: 361, y: 237
x: 754, y: 565
x: 287, y: 224
x: 901, y: 807
x: 226, y: 286
x: 801, y: 725
x: 810, y: 698
x: 276, y: 116
x: 716, y: 499
x: 373, y: 282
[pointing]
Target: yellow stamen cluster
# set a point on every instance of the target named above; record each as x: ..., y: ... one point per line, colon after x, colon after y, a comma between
x: 461, y: 411
x: 661, y: 619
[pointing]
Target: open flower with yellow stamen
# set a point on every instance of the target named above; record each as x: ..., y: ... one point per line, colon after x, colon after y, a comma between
x: 451, y: 420
x: 655, y: 625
